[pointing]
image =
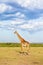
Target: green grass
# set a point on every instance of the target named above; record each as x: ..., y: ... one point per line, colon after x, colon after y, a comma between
x: 18, y: 44
x: 9, y: 45
x: 36, y: 45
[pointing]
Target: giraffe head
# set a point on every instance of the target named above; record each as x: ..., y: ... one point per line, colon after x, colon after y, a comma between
x: 15, y: 32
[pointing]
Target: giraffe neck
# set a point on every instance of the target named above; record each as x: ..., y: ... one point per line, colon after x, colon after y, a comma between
x: 20, y: 38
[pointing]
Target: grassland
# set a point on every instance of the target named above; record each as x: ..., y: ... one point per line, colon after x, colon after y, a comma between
x: 10, y: 55
x: 18, y: 44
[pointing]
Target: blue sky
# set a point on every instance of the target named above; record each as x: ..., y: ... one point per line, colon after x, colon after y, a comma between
x: 25, y: 16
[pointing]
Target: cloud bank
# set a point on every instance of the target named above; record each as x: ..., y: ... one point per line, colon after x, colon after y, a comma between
x: 21, y: 14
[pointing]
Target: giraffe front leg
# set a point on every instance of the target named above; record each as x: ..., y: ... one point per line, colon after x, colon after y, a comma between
x: 21, y: 47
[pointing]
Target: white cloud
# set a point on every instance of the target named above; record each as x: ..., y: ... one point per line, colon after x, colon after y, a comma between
x: 11, y: 23
x: 28, y: 3
x: 23, y: 24
x: 4, y: 7
x: 26, y: 26
x: 20, y: 15
x: 33, y: 24
x: 0, y: 23
x: 31, y: 3
x: 15, y: 22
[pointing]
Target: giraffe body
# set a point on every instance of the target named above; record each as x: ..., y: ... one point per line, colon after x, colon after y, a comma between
x: 24, y: 44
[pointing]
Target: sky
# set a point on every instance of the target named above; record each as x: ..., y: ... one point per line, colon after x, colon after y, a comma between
x: 23, y: 16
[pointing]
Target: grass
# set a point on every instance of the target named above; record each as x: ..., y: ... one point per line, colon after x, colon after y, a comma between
x: 9, y: 45
x: 36, y: 44
x: 18, y: 45
x: 11, y: 56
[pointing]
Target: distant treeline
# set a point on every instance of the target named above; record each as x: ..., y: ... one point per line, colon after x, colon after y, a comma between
x: 18, y: 44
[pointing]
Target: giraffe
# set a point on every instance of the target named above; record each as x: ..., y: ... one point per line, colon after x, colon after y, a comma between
x: 24, y: 43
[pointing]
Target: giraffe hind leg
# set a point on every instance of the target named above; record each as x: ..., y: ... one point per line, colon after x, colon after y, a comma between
x: 28, y: 48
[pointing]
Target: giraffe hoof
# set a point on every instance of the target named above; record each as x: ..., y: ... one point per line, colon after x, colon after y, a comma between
x: 26, y: 53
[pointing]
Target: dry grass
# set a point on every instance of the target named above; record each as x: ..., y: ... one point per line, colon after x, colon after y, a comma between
x: 11, y: 56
